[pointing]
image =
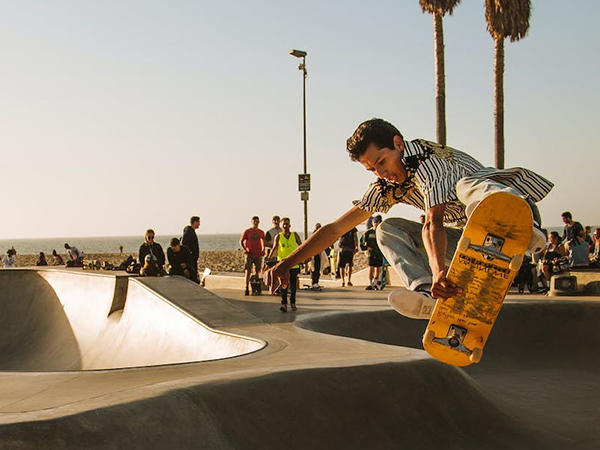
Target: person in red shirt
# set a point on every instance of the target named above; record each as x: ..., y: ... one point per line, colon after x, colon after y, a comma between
x: 253, y: 244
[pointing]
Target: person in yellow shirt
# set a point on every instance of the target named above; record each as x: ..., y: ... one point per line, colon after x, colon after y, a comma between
x: 285, y: 243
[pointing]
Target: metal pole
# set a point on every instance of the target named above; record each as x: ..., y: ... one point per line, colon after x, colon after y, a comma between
x: 304, y: 75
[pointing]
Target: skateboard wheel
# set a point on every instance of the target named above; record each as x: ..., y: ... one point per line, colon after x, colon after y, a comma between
x: 463, y: 244
x: 428, y: 337
x: 515, y: 262
x: 476, y: 355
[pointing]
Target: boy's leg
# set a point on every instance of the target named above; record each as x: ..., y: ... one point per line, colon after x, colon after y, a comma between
x: 471, y: 190
x: 401, y: 243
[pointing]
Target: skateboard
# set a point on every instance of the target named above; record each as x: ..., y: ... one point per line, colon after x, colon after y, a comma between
x: 487, y: 259
x: 256, y: 285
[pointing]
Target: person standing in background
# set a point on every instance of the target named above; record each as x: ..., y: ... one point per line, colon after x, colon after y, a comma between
x: 190, y: 240
x: 348, y: 244
x: 318, y: 264
x: 252, y: 243
x: 270, y: 237
x: 375, y: 255
x: 285, y: 244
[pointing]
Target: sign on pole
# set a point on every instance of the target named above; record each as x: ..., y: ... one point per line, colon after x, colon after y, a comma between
x: 304, y: 182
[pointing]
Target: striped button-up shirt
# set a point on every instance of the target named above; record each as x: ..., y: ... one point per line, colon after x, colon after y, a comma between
x: 433, y: 172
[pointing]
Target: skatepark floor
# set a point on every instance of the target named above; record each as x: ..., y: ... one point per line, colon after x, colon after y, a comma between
x: 344, y: 371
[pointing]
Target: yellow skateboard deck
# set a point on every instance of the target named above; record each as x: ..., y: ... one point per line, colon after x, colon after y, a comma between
x: 487, y: 259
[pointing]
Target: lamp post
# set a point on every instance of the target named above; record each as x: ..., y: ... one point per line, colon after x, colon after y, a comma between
x: 304, y: 178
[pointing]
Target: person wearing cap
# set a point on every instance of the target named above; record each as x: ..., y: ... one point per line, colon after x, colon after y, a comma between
x: 149, y: 247
x: 375, y: 255
x: 180, y: 259
x: 150, y: 268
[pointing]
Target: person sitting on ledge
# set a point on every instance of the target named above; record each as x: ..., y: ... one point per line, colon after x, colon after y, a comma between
x: 180, y: 259
x: 58, y: 260
x: 578, y: 249
x: 151, y: 268
x: 149, y: 247
x: 595, y: 249
x: 41, y: 260
x: 75, y: 256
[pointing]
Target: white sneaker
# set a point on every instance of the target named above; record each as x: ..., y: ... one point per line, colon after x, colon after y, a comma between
x: 412, y: 304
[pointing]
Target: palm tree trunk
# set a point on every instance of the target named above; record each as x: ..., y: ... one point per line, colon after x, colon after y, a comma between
x: 499, y: 101
x: 440, y: 78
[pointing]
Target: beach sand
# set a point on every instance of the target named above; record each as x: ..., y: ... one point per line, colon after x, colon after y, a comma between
x: 217, y: 261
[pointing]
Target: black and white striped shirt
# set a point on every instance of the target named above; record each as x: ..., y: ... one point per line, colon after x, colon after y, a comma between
x: 433, y: 172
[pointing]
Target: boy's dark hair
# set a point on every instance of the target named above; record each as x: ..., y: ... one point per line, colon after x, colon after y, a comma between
x: 194, y: 219
x: 374, y: 131
x: 174, y: 242
x: 255, y: 218
x: 567, y: 214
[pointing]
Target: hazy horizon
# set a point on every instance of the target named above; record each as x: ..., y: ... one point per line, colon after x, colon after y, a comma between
x: 118, y: 117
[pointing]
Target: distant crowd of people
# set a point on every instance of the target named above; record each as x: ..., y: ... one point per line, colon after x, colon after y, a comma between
x: 263, y: 250
x: 576, y: 248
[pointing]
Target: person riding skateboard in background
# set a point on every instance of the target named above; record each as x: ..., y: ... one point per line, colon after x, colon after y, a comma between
x: 445, y: 183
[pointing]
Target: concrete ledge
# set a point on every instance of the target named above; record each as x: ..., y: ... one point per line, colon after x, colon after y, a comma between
x: 588, y: 280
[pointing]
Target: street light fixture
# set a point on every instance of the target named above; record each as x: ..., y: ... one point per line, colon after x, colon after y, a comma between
x: 304, y: 178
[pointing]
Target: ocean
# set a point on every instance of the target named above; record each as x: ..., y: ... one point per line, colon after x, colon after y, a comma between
x: 131, y: 244
x: 111, y: 244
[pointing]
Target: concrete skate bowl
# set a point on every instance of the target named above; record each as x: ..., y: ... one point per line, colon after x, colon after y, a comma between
x: 70, y: 320
x: 541, y: 365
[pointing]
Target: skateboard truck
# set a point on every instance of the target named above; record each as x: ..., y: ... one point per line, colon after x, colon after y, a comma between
x: 454, y: 339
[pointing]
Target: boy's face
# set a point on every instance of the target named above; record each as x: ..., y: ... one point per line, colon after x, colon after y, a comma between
x: 255, y: 223
x: 286, y: 225
x: 386, y: 163
x: 276, y: 223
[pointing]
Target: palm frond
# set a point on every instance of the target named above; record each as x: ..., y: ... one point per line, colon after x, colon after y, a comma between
x: 508, y: 18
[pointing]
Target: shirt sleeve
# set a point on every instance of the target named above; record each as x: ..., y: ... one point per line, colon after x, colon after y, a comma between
x: 374, y: 200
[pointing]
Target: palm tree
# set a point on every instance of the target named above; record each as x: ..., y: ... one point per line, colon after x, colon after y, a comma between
x: 505, y: 19
x: 439, y: 8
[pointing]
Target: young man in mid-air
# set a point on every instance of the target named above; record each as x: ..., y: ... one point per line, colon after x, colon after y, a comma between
x: 445, y: 183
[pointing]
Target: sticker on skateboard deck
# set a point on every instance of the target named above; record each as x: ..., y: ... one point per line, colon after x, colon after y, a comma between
x: 487, y: 259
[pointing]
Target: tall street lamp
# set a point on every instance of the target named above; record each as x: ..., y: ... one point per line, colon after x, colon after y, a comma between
x: 303, y: 178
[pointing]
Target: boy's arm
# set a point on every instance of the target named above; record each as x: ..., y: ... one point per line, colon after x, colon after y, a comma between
x: 436, y: 241
x: 319, y: 241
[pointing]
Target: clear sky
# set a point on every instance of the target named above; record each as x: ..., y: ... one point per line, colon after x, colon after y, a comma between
x: 119, y: 115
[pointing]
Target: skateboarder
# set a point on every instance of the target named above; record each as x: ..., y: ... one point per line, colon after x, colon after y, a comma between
x: 445, y: 183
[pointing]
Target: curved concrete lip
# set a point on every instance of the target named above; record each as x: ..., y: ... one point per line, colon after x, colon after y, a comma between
x: 57, y: 320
